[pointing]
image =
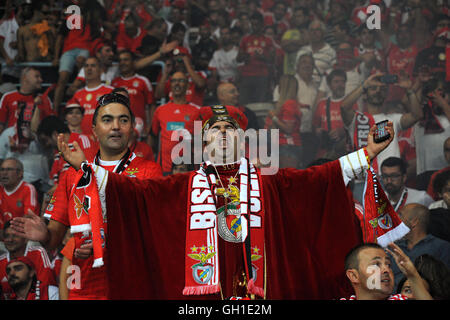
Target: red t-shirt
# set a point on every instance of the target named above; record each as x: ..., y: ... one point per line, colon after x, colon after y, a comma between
x: 78, y: 37
x: 17, y: 202
x: 11, y: 101
x: 193, y: 93
x: 87, y: 98
x: 320, y: 116
x: 72, y: 212
x: 290, y: 113
x: 124, y: 41
x: 140, y: 92
x: 251, y: 44
x: 166, y: 119
x: 41, y: 262
x: 143, y: 150
x: 89, y: 147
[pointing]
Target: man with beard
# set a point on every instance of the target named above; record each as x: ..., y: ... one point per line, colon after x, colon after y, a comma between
x: 393, y: 177
x: 374, y: 92
x: 227, y: 229
x: 25, y: 286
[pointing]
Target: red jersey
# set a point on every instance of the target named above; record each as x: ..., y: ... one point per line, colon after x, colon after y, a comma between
x: 143, y: 150
x: 391, y: 297
x: 124, y: 41
x: 38, y: 291
x: 17, y: 202
x: 193, y: 93
x: 11, y: 103
x: 78, y: 37
x: 87, y: 98
x: 251, y: 44
x: 73, y: 212
x: 41, y: 262
x: 140, y: 92
x: 320, y: 116
x: 88, y: 146
x: 290, y: 113
x: 166, y: 119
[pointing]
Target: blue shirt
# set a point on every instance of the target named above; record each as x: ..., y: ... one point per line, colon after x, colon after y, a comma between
x: 438, y: 248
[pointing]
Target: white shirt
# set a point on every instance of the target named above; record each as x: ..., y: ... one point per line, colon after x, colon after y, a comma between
x: 35, y: 164
x: 225, y: 63
x: 8, y: 31
x: 106, y: 77
x: 306, y: 94
x: 430, y: 147
x: 413, y: 196
x: 324, y: 60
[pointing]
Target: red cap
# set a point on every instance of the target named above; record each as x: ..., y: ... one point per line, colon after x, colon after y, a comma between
x: 23, y: 259
x: 212, y: 114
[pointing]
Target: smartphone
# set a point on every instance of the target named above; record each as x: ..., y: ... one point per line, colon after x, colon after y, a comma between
x: 381, y: 134
x: 389, y: 78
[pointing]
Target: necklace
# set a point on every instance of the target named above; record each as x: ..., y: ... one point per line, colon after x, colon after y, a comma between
x: 226, y: 193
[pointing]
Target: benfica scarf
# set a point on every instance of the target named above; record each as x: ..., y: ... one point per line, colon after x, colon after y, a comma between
x: 86, y: 189
x: 379, y: 220
x: 242, y: 221
x: 363, y: 123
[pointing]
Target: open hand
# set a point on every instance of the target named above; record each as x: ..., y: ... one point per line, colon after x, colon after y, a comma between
x: 74, y: 158
x: 30, y: 226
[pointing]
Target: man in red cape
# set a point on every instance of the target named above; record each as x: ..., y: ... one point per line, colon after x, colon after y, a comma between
x: 280, y: 236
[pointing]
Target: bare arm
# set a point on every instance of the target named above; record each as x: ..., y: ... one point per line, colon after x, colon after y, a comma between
x: 63, y: 289
x: 347, y: 111
x: 148, y: 60
x: 199, y: 81
x: 409, y: 270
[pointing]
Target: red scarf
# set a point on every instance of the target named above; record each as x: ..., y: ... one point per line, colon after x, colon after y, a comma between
x: 205, y: 223
x: 381, y: 222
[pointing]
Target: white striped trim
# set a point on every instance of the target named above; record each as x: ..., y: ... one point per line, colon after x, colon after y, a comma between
x: 4, y: 96
x: 33, y: 195
x: 353, y: 165
x: 80, y: 228
x: 393, y: 235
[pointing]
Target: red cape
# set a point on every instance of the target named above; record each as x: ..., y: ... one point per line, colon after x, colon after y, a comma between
x: 309, y: 228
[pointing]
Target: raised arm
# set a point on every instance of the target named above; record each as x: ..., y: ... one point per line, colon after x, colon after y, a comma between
x: 409, y: 270
x: 355, y: 164
x: 347, y: 111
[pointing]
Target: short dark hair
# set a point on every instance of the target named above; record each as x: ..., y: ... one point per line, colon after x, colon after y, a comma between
x: 395, y: 162
x: 51, y: 124
x: 352, y: 258
x: 257, y: 16
x: 112, y: 98
x: 336, y: 73
x: 440, y: 181
x: 128, y: 51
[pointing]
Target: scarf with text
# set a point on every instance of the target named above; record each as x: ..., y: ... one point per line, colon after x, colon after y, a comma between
x: 381, y: 222
x: 244, y: 224
x: 363, y: 123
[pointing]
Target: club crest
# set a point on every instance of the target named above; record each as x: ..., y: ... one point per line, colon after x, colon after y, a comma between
x: 203, y: 271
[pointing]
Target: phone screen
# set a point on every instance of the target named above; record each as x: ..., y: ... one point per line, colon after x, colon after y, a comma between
x: 381, y: 133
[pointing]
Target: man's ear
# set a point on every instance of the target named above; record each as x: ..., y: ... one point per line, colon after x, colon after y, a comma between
x: 352, y: 275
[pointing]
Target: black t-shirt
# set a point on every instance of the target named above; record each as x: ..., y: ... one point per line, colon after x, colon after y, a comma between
x: 439, y: 224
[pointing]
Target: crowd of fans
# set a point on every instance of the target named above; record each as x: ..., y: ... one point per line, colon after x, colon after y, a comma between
x: 315, y: 70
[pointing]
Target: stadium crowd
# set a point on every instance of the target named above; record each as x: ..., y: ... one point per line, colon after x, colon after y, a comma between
x: 316, y: 70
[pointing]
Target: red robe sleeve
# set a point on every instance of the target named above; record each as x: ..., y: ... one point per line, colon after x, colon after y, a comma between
x: 309, y: 229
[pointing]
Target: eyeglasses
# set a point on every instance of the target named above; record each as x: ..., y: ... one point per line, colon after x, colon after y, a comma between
x: 391, y: 177
x: 8, y: 169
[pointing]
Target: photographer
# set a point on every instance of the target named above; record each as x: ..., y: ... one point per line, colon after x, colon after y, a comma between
x: 374, y: 90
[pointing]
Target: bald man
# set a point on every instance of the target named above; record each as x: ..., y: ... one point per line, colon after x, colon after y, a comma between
x: 228, y: 95
x: 418, y: 241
